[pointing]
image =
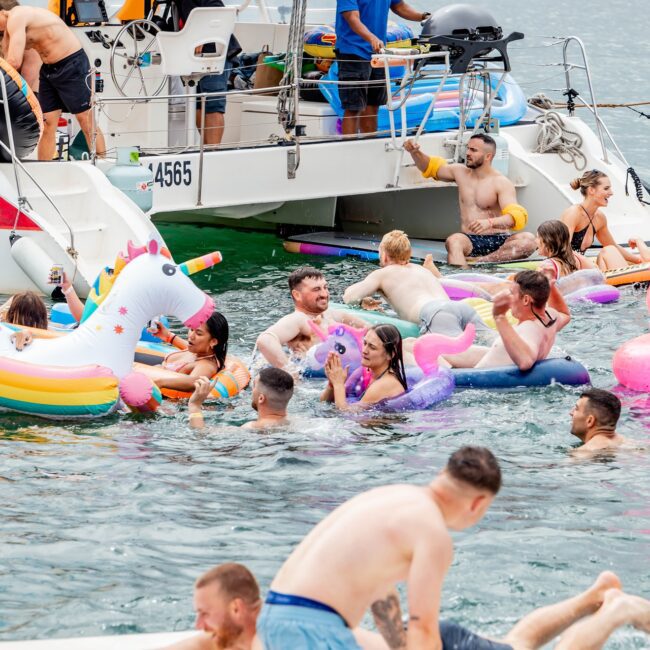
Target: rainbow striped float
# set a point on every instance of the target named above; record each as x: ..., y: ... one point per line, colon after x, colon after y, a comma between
x: 56, y: 392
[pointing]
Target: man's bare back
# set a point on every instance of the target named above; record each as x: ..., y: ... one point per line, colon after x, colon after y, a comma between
x: 407, y: 287
x: 382, y: 526
x: 44, y: 32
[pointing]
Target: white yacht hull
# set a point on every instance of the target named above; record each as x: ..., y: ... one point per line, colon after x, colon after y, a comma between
x: 353, y: 183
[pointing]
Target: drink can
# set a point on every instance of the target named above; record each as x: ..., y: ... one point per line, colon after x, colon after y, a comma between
x: 56, y: 274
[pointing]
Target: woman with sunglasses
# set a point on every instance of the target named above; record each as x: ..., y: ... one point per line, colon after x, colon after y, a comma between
x: 382, y: 356
x: 541, y: 311
x: 587, y: 222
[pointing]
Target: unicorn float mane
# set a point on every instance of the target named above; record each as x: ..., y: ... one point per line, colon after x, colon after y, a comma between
x: 104, y: 282
x: 146, y: 283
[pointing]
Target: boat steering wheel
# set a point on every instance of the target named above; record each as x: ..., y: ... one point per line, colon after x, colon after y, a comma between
x: 135, y: 48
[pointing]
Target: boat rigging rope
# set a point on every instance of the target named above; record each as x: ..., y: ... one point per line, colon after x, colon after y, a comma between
x: 554, y: 137
x: 288, y: 99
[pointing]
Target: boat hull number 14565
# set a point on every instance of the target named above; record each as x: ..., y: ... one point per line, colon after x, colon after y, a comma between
x: 172, y: 173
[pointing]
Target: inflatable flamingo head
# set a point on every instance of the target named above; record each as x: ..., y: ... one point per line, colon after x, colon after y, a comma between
x: 150, y: 283
x: 429, y: 347
x: 346, y: 341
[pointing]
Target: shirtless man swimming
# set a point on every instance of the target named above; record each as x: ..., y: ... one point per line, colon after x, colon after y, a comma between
x: 353, y: 559
x: 533, y: 337
x: 64, y: 79
x: 272, y: 390
x: 414, y: 292
x: 311, y: 301
x: 594, y: 419
x: 488, y: 205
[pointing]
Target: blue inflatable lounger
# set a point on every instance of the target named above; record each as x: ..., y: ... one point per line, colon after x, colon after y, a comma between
x: 563, y: 370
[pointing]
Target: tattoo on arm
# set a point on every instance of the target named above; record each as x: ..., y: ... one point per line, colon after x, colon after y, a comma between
x: 388, y: 618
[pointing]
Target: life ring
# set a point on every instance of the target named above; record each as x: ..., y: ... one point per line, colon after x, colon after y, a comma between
x: 628, y: 274
x: 25, y: 112
x: 550, y: 371
x: 228, y: 382
x: 320, y: 41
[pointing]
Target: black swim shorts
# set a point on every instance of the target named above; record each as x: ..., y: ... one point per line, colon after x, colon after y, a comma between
x: 356, y: 97
x: 65, y: 85
x: 485, y: 244
x: 456, y: 637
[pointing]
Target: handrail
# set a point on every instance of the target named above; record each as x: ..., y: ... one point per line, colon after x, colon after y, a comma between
x: 601, y: 127
x: 16, y: 164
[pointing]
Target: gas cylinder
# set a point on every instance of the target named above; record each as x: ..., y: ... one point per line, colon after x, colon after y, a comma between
x: 129, y: 176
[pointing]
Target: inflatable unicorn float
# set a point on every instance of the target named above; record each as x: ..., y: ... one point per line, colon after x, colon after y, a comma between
x: 427, y: 382
x: 88, y: 372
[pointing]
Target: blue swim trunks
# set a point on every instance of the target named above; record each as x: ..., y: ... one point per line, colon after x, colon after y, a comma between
x: 309, y: 625
x: 456, y: 637
x: 486, y: 244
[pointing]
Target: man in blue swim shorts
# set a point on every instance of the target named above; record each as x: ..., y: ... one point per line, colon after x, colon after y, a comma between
x: 489, y: 211
x: 215, y: 107
x: 360, y: 32
x: 352, y: 560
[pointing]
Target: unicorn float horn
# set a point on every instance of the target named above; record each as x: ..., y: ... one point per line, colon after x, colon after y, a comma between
x: 429, y: 347
x: 200, y: 263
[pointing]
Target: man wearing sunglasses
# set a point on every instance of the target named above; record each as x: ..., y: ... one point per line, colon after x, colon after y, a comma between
x: 541, y: 312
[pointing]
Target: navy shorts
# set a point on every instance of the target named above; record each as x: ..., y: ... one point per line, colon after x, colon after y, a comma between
x: 214, y: 83
x: 485, y: 244
x: 357, y: 97
x: 456, y: 637
x: 65, y: 85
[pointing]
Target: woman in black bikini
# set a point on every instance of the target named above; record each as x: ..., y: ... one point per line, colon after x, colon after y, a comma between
x: 586, y: 222
x: 202, y: 355
x: 382, y: 355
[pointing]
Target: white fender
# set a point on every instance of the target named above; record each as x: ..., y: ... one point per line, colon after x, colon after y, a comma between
x: 34, y: 262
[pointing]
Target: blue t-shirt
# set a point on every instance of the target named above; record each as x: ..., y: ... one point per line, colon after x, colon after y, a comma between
x: 373, y: 14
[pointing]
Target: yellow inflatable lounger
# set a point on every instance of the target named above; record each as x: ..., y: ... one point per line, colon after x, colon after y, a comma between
x: 628, y: 274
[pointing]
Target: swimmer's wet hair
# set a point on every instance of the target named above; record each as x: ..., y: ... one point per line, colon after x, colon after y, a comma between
x: 396, y: 245
x: 234, y: 580
x: 302, y: 273
x: 535, y: 285
x: 477, y: 467
x: 604, y: 406
x: 486, y: 139
x: 277, y: 385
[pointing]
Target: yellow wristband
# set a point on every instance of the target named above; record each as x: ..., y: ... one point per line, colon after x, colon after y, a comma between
x: 518, y: 213
x: 191, y: 416
x: 435, y: 163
